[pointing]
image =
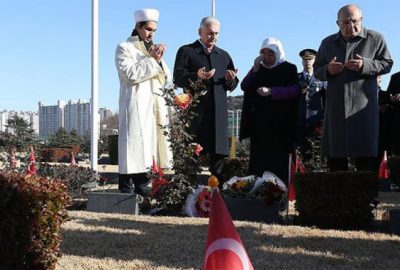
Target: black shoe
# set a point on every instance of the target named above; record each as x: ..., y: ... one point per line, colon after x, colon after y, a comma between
x: 125, y: 183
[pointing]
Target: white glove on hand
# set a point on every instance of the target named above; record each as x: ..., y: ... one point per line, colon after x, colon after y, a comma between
x: 264, y: 91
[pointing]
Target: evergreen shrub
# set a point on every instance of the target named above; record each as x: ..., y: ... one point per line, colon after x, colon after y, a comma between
x: 77, y: 179
x: 32, y: 210
x: 341, y: 200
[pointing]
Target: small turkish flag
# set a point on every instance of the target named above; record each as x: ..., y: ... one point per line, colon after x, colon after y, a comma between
x: 291, y: 191
x: 383, y: 172
x: 156, y: 169
x: 224, y: 248
x: 32, y: 163
x: 73, y: 162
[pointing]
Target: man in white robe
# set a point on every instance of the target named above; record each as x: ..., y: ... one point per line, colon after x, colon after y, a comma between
x: 142, y: 108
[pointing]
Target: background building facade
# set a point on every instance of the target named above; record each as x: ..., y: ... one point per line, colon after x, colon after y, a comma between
x: 77, y: 116
x: 51, y: 118
x: 234, y: 117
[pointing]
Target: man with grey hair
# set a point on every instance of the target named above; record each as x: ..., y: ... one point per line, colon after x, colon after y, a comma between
x: 204, y: 62
x: 350, y: 61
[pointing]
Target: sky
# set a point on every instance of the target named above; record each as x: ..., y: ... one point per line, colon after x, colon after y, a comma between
x: 45, y: 45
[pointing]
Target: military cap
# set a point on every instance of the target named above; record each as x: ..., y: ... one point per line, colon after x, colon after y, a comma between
x: 308, y: 54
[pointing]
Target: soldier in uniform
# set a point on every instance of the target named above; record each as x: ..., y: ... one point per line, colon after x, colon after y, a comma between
x: 311, y: 105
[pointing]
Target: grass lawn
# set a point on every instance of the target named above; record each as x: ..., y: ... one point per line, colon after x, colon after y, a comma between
x: 113, y: 241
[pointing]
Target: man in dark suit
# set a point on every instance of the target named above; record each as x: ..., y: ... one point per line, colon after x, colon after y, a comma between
x: 394, y: 94
x: 311, y: 105
x: 204, y: 62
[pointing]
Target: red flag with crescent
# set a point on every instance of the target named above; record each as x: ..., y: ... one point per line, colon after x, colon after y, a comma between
x: 32, y: 163
x: 291, y: 192
x: 73, y: 161
x: 383, y: 172
x: 156, y: 169
x: 224, y: 248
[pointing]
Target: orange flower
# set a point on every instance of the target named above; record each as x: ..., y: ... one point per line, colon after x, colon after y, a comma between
x: 183, y: 100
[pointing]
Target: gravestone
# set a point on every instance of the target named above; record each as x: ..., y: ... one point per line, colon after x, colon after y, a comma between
x: 252, y: 210
x: 113, y: 202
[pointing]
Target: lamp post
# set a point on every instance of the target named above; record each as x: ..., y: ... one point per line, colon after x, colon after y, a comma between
x: 213, y: 8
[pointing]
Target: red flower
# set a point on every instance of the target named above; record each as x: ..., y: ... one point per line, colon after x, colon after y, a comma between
x: 197, y: 149
x: 203, y: 203
x: 318, y: 131
x: 156, y: 184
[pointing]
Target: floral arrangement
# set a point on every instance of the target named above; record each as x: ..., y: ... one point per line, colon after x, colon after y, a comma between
x: 198, y: 204
x: 169, y: 193
x: 203, y: 202
x: 268, y: 187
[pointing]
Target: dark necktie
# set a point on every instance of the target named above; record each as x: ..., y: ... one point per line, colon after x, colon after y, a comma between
x: 308, y: 77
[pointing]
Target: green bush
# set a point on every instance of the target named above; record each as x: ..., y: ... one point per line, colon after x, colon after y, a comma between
x: 32, y: 210
x: 336, y: 199
x: 75, y: 178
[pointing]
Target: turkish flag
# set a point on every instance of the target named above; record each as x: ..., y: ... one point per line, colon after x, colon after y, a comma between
x: 224, y: 249
x: 156, y: 169
x: 32, y: 163
x: 73, y: 162
x: 292, y: 170
x: 383, y: 172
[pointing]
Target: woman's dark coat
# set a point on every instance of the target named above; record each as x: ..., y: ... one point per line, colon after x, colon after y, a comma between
x: 269, y: 122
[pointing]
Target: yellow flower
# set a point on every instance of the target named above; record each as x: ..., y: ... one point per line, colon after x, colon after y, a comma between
x: 213, y: 181
x: 183, y: 100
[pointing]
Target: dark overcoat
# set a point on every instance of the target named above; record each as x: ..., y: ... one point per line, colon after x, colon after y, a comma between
x: 351, y: 112
x: 394, y: 125
x: 210, y: 126
x: 270, y: 123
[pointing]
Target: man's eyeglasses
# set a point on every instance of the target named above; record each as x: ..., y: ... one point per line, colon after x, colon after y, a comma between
x: 347, y: 22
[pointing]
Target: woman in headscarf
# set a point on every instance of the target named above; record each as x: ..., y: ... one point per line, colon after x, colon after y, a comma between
x: 269, y: 110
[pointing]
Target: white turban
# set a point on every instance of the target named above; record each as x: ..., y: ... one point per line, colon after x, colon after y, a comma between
x: 276, y: 46
x: 147, y: 14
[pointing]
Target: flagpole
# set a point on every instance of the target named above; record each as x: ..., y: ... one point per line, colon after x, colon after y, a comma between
x: 95, y: 86
x: 213, y: 8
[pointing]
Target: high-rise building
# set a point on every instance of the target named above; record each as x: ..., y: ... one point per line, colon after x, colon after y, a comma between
x: 77, y: 116
x: 51, y: 118
x: 105, y: 113
x: 31, y: 118
x: 234, y: 122
x: 3, y: 120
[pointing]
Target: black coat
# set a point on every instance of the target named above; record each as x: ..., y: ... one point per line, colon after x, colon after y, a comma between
x: 270, y: 123
x: 210, y: 126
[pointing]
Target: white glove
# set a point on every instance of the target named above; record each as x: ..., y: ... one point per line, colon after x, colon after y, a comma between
x: 264, y: 91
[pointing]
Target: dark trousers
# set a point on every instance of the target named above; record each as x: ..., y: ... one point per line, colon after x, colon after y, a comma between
x: 361, y: 164
x: 216, y: 167
x: 125, y: 182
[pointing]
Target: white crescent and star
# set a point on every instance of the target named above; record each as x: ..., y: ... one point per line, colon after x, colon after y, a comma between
x: 232, y: 245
